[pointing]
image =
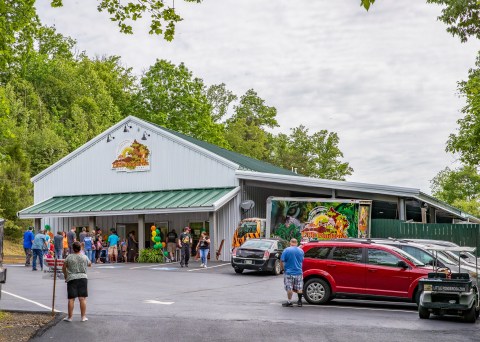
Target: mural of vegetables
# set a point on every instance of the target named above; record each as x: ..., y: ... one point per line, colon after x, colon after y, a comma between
x: 313, y: 219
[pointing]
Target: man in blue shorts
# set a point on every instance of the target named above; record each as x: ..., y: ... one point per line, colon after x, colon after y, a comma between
x: 292, y: 259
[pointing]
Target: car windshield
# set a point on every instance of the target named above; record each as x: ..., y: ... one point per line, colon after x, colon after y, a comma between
x: 407, y: 256
x: 247, y: 227
x: 257, y: 244
x: 470, y: 257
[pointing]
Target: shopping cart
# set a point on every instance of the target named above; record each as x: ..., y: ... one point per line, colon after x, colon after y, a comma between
x: 50, y: 265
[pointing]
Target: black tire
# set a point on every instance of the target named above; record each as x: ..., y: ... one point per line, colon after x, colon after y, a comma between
x: 317, y: 291
x: 477, y: 313
x: 423, y: 313
x: 277, y: 268
x: 238, y: 270
x: 416, y: 298
x: 470, y: 315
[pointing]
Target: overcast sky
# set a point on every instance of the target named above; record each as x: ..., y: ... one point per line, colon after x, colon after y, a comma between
x: 384, y: 80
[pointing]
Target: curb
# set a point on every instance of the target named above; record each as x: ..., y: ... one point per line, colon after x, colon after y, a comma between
x: 58, y: 318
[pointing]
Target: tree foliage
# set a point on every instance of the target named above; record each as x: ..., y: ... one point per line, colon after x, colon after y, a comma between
x: 315, y: 155
x: 460, y: 188
x: 462, y: 17
x: 53, y: 100
x: 162, y: 17
x: 466, y: 140
x: 172, y: 97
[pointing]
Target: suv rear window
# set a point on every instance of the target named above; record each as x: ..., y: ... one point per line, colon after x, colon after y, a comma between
x: 318, y: 252
x: 350, y: 254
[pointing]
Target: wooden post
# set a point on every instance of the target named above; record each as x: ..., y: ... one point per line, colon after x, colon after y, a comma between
x: 54, y: 284
x: 1, y: 250
x: 1, y: 241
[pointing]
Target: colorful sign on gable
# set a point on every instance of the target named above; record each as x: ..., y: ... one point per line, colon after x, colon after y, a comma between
x: 132, y: 156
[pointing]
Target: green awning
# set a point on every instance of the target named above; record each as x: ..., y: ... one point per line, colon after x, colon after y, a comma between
x: 151, y: 202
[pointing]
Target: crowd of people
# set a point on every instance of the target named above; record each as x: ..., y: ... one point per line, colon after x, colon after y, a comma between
x: 93, y: 245
x: 108, y: 249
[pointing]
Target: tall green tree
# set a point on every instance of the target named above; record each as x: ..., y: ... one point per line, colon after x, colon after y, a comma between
x: 315, y: 155
x: 246, y: 131
x: 172, y: 97
x: 18, y: 23
x: 459, y: 187
x: 466, y: 141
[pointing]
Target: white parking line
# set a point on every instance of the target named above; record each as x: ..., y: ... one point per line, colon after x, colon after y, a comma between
x: 28, y: 300
x: 200, y: 269
x: 155, y: 265
x: 151, y: 301
x: 134, y: 268
x: 349, y: 308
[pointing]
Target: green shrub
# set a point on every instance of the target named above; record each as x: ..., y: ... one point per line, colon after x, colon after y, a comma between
x: 150, y: 255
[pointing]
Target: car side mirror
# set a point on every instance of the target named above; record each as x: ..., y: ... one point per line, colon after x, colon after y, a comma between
x: 402, y: 264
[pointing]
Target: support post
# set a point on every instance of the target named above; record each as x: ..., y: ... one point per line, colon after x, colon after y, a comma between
x: 91, y: 223
x: 401, y: 209
x: 38, y: 224
x: 432, y: 215
x: 212, y: 218
x: 141, y: 232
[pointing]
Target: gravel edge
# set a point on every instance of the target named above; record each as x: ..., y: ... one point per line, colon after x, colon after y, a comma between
x: 58, y: 318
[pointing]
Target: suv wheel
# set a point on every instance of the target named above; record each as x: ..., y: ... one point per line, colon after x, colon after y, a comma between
x: 317, y: 291
x: 418, y: 293
x: 423, y: 313
x: 470, y: 315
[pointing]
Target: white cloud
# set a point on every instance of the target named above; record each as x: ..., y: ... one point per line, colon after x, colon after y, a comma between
x: 384, y: 80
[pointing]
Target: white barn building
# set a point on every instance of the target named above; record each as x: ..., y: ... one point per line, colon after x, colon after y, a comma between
x: 137, y: 174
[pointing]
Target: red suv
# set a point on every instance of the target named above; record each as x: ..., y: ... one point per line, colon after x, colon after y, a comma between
x: 362, y: 270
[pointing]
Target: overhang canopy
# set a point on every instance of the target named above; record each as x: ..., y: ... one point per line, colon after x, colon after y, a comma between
x: 151, y: 202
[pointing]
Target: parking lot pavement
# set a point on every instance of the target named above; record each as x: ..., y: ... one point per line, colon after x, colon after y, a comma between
x: 148, y: 301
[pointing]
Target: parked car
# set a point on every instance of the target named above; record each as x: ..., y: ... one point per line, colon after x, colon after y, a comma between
x: 333, y: 269
x: 259, y: 255
x: 466, y: 256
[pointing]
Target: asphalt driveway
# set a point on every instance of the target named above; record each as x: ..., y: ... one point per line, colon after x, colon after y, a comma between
x: 135, y: 302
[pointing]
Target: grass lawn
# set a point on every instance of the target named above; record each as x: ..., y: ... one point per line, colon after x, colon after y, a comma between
x: 11, y: 248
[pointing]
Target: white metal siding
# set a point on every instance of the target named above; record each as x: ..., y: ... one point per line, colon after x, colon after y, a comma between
x: 259, y: 196
x: 173, y: 166
x: 227, y: 220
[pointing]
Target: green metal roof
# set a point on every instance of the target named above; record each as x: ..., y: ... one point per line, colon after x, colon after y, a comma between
x: 245, y: 163
x: 125, y: 203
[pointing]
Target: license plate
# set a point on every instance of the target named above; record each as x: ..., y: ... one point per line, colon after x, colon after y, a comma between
x: 248, y: 261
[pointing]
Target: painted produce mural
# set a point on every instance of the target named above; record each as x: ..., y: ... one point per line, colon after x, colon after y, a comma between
x: 310, y: 221
x: 132, y: 156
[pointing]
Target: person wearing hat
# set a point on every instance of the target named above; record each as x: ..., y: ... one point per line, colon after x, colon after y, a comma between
x: 185, y: 242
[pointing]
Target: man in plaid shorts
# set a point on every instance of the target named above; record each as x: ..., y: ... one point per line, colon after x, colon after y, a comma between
x: 292, y: 259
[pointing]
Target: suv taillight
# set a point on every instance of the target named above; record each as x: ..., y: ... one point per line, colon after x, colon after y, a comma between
x: 266, y: 255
